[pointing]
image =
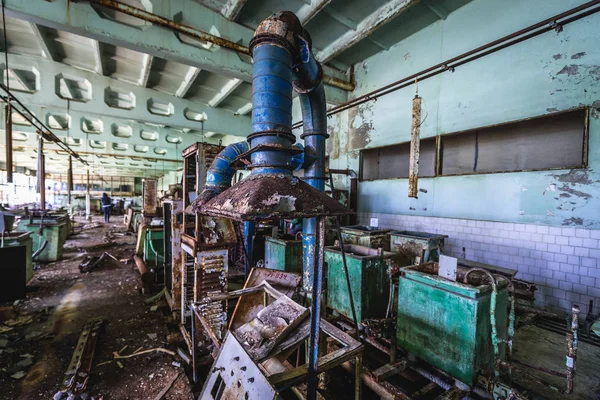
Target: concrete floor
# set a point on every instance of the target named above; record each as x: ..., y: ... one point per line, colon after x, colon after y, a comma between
x: 61, y: 300
x: 539, y: 347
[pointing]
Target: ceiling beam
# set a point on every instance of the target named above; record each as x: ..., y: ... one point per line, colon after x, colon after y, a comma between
x: 224, y: 92
x: 82, y: 19
x: 437, y: 9
x: 309, y: 11
x: 146, y: 69
x: 244, y: 109
x: 45, y: 42
x: 187, y: 82
x: 217, y: 119
x: 342, y: 19
x: 98, y: 57
x: 371, y: 23
x: 231, y: 10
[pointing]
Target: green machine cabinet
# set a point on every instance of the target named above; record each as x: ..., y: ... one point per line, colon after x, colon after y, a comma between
x: 447, y: 323
x: 368, y: 236
x: 16, y: 238
x: 154, y: 246
x: 283, y: 254
x: 369, y: 281
x: 426, y: 246
x: 52, y: 232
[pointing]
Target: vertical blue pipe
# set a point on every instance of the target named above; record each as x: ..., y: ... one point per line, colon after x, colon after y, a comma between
x: 307, y: 82
x: 249, y: 227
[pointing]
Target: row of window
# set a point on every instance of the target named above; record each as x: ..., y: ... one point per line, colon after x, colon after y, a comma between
x: 555, y: 141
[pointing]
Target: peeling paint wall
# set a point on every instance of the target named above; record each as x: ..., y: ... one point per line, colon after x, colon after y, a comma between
x: 549, y: 73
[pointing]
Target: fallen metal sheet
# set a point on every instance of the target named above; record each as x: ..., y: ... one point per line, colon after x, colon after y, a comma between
x: 271, y: 325
x: 235, y: 376
x: 249, y: 305
x: 77, y: 375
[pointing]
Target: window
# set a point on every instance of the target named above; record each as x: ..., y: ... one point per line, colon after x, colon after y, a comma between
x: 391, y: 162
x: 554, y: 141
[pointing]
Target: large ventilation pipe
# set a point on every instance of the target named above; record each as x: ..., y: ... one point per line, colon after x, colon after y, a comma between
x: 308, y: 77
x: 220, y: 173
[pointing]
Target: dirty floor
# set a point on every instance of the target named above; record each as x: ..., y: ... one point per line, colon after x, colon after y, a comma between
x: 38, y: 334
x: 542, y: 348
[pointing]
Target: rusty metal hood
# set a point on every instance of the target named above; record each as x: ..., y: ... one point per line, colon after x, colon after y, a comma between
x: 270, y: 196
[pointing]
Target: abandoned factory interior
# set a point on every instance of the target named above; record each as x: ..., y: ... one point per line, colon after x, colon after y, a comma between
x: 300, y: 199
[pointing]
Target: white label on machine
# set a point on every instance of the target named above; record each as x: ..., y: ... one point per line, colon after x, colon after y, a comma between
x: 447, y: 268
x: 570, y: 362
x: 374, y: 222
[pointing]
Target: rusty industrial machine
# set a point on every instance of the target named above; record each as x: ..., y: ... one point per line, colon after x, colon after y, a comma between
x: 450, y: 323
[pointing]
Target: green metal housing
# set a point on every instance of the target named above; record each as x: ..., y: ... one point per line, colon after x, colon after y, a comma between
x: 427, y: 246
x: 368, y: 236
x: 447, y: 324
x: 369, y: 281
x: 16, y: 238
x: 283, y: 255
x: 154, y: 249
x: 54, y: 233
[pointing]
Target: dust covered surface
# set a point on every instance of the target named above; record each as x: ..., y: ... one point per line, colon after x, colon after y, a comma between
x: 60, y: 300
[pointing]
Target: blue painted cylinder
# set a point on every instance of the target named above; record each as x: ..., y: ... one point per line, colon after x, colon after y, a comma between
x: 271, y: 108
x: 307, y: 81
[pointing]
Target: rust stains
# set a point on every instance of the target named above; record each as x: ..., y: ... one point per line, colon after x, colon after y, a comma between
x: 568, y: 189
x: 360, y: 127
x: 574, y: 176
x: 573, y: 221
x: 569, y: 70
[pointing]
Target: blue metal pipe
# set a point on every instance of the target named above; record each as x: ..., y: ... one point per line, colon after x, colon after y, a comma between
x: 249, y: 228
x: 307, y: 82
x: 220, y: 173
x: 271, y: 109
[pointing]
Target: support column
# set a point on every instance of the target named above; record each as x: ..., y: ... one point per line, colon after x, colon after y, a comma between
x: 70, y: 180
x: 41, y: 174
x: 9, y: 143
x: 88, y: 213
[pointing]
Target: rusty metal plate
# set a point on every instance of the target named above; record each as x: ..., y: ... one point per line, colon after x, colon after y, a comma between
x: 149, y: 196
x: 235, y: 376
x: 249, y: 305
x: 271, y: 196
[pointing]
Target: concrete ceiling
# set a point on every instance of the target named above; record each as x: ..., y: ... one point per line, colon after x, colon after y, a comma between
x: 122, y: 90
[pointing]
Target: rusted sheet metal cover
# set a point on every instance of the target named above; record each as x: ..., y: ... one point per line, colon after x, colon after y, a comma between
x: 271, y: 196
x: 249, y: 305
x: 235, y: 376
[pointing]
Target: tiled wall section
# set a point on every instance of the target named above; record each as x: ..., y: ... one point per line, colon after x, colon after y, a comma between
x: 564, y: 262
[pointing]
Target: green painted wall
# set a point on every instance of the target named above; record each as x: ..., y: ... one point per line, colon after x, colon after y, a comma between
x: 549, y: 73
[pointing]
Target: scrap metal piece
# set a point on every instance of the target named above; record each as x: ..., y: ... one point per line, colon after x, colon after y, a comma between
x: 235, y: 376
x: 77, y: 375
x: 260, y: 335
